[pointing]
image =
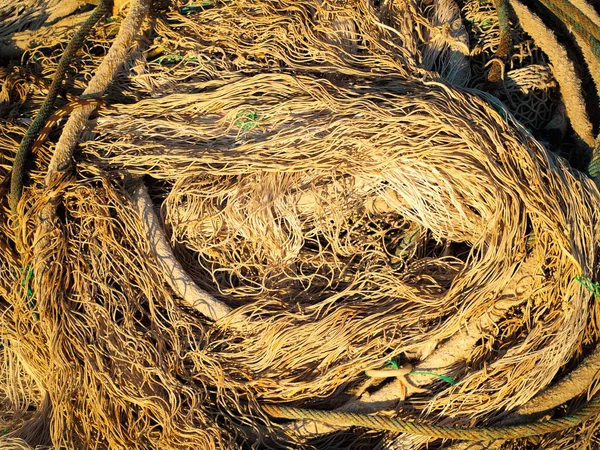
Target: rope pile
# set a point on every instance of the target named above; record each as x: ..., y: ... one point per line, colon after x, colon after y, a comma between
x: 278, y: 197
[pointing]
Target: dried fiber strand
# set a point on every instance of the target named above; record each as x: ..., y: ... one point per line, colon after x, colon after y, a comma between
x: 324, y: 171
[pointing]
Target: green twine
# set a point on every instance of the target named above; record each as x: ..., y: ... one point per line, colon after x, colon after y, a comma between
x: 394, y: 365
x: 169, y: 59
x: 448, y: 380
x: 5, y: 431
x: 589, y: 285
x: 486, y: 24
x: 594, y: 166
x: 197, y: 7
x: 172, y: 59
x: 194, y: 7
x: 25, y: 283
x: 247, y: 120
x: 28, y: 276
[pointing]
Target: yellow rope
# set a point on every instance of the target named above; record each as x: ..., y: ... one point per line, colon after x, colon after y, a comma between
x: 377, y: 422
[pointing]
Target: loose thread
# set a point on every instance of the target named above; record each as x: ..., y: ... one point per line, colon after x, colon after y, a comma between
x: 197, y: 7
x: 594, y: 288
x: 248, y: 120
x: 393, y: 365
x: 447, y: 379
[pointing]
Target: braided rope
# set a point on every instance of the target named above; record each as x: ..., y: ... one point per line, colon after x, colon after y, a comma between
x: 377, y: 422
x: 130, y: 28
x: 587, y: 31
x: 579, y: 22
x: 18, y: 170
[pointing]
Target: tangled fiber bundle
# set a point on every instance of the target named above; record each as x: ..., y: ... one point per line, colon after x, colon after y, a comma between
x: 277, y: 198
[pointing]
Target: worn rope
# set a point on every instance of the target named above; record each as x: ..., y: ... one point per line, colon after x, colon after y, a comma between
x: 378, y: 422
x: 59, y: 114
x: 130, y: 28
x: 173, y: 271
x: 588, y: 32
x: 562, y: 68
x: 573, y: 384
x: 18, y: 171
x: 578, y: 23
x: 594, y: 165
x: 573, y: 17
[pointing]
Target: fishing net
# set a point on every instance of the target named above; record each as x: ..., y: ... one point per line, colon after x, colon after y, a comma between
x: 341, y: 177
x: 529, y: 91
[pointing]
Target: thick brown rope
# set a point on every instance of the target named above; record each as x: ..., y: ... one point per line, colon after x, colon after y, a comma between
x: 377, y: 422
x: 59, y: 114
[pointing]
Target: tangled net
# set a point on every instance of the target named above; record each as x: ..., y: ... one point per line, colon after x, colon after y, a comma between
x: 335, y: 173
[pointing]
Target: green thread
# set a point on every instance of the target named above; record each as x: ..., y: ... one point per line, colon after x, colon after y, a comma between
x: 448, y: 380
x: 393, y: 364
x: 28, y: 276
x: 172, y: 59
x: 6, y: 430
x: 197, y: 7
x: 31, y: 303
x: 169, y: 59
x: 594, y: 288
x: 396, y: 362
x: 247, y: 120
x: 594, y: 166
x: 486, y: 24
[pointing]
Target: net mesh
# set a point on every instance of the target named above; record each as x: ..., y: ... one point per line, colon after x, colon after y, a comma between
x: 338, y: 173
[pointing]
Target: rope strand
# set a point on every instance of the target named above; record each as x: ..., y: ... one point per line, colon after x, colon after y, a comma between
x: 377, y: 422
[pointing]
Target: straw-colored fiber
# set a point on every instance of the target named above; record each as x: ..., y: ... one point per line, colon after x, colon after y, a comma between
x: 275, y: 197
